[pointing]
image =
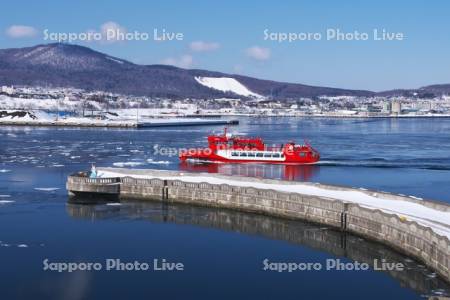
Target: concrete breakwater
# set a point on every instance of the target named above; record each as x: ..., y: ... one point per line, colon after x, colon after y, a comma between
x: 46, y: 123
x: 125, y: 124
x: 400, y: 232
x: 324, y: 239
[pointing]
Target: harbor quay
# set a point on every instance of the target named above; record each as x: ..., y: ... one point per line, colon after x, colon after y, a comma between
x: 121, y: 124
x: 415, y: 227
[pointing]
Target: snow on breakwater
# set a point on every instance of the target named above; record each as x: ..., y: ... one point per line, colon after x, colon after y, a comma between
x: 418, y: 228
x: 414, y: 209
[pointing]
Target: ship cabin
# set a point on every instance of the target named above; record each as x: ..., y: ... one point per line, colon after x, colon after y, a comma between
x: 223, y: 142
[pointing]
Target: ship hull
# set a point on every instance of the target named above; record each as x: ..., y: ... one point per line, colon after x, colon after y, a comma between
x: 227, y: 157
x: 249, y: 161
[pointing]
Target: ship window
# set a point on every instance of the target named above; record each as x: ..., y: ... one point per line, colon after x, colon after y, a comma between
x: 267, y: 155
x: 243, y: 154
x: 276, y: 155
x: 282, y: 155
x: 302, y: 154
x: 259, y: 154
x: 251, y: 154
x: 234, y: 154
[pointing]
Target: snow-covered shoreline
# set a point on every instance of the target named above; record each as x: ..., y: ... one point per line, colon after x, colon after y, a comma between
x: 41, y: 118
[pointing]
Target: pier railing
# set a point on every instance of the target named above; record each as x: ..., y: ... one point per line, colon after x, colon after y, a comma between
x: 83, y: 184
x: 89, y: 180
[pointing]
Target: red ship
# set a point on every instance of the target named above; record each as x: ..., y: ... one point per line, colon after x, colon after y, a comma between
x: 237, y: 149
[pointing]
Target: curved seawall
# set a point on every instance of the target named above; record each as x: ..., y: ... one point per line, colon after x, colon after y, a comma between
x: 324, y: 239
x: 421, y: 238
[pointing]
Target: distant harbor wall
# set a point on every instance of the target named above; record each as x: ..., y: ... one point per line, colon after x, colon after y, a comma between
x: 67, y: 124
x: 162, y: 123
x: 398, y: 232
x: 124, y: 124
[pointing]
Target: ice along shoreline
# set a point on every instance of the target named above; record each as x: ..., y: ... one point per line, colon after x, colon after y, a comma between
x: 126, y: 124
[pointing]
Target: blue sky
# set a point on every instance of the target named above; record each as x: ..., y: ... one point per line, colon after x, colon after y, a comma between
x: 231, y: 35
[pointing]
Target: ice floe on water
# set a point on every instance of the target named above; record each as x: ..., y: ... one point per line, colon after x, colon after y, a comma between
x: 46, y: 189
x: 6, y: 201
x: 408, y: 260
x: 114, y: 204
x: 4, y: 171
x: 438, y: 292
x: 5, y: 196
x: 158, y: 162
x: 57, y: 166
x: 127, y: 164
x: 2, y: 244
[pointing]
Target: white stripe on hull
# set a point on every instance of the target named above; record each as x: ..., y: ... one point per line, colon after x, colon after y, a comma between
x: 263, y: 155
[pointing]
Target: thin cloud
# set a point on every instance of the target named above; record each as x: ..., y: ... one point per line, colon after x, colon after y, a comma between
x: 238, y: 69
x: 184, y: 61
x: 21, y: 31
x: 108, y: 33
x: 258, y: 53
x: 112, y: 32
x: 201, y: 46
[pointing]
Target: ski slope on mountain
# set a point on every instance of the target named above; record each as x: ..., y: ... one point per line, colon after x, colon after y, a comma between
x: 226, y: 84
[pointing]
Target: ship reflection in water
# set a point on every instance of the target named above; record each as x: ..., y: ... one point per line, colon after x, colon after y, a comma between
x: 271, y: 171
x: 338, y: 244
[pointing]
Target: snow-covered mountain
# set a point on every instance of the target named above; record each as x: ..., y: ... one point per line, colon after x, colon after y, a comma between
x: 60, y: 56
x: 226, y: 84
x: 65, y: 65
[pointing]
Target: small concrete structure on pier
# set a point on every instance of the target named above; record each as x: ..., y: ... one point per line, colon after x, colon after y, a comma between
x: 78, y: 184
x: 420, y: 237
